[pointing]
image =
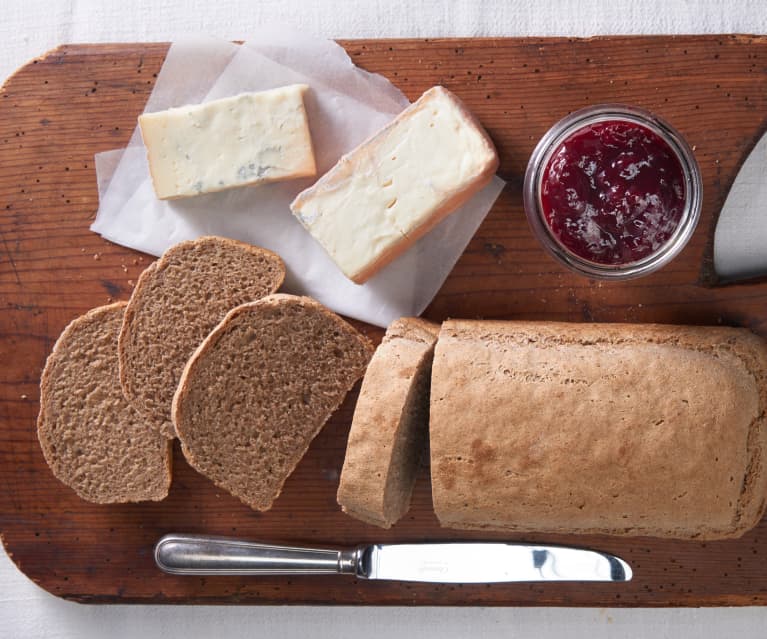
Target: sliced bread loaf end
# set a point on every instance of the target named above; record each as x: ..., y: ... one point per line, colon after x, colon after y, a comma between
x: 609, y: 429
x: 260, y: 387
x: 92, y: 438
x: 177, y: 301
x: 390, y: 426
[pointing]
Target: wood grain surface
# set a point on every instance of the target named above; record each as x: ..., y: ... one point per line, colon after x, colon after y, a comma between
x: 77, y: 100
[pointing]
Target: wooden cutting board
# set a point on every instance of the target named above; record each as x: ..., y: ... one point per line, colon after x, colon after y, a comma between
x: 58, y: 111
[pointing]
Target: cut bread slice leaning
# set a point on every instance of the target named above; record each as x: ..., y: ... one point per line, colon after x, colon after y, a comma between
x: 390, y: 426
x: 260, y: 387
x: 177, y: 301
x: 94, y: 441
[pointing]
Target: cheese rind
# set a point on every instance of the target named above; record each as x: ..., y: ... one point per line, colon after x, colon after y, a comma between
x: 242, y: 140
x: 391, y: 190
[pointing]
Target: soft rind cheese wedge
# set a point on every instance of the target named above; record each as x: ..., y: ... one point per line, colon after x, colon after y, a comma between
x: 395, y: 187
x: 246, y: 139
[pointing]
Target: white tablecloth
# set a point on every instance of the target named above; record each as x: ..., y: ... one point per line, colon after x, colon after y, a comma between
x: 30, y: 27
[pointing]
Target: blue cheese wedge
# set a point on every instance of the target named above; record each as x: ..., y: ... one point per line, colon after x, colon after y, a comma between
x: 246, y: 139
x: 385, y: 194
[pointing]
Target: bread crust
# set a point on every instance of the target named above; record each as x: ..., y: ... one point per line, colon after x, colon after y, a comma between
x: 379, y: 468
x: 599, y: 428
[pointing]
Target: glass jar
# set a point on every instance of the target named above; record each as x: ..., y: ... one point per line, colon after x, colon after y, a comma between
x: 622, y: 219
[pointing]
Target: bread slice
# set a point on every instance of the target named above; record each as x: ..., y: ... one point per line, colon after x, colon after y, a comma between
x: 390, y: 425
x: 260, y: 387
x: 177, y: 301
x: 596, y: 428
x: 92, y: 438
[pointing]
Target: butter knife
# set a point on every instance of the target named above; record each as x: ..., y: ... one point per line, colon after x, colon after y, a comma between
x: 436, y: 563
x: 741, y: 231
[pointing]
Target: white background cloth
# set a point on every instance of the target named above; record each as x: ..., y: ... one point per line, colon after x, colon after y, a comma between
x: 30, y: 27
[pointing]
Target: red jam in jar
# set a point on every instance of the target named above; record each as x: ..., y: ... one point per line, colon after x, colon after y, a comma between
x: 613, y: 192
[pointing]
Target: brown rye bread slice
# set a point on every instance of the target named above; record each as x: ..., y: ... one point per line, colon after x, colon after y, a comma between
x: 177, y: 301
x: 390, y: 425
x: 260, y: 387
x: 91, y: 437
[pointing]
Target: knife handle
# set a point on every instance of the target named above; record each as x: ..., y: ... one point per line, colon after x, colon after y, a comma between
x: 204, y: 555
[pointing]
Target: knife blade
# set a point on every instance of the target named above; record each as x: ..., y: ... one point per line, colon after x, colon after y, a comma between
x: 453, y: 562
x: 741, y: 231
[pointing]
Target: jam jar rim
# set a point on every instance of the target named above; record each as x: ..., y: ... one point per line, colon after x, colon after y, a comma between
x: 578, y: 120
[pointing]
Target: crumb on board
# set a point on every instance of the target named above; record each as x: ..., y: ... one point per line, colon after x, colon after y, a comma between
x: 96, y: 256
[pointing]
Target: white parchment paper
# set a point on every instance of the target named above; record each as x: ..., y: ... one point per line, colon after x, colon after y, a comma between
x: 345, y: 106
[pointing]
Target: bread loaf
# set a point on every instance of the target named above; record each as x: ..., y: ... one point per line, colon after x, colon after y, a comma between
x: 259, y: 388
x: 92, y: 438
x: 586, y: 428
x: 390, y: 425
x: 177, y: 301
